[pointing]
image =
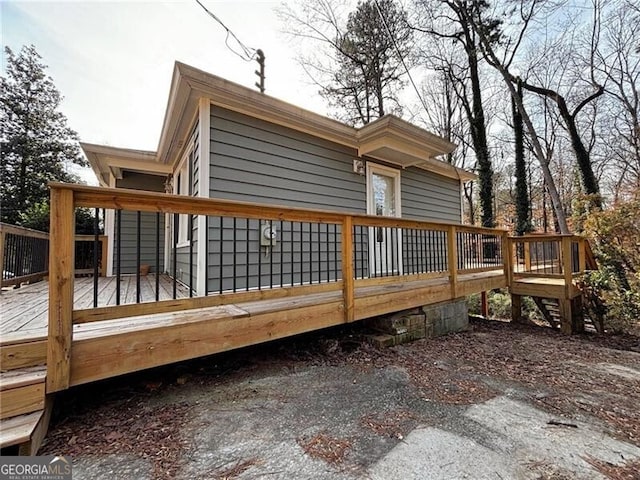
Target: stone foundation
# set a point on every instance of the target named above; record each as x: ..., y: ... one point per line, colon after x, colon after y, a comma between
x: 427, y: 321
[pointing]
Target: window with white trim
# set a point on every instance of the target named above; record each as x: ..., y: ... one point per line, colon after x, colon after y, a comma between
x: 181, y: 187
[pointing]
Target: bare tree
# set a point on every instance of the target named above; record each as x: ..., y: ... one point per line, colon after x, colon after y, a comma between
x: 359, y: 69
x: 619, y: 59
x: 485, y: 30
x: 446, y: 116
x: 445, y: 21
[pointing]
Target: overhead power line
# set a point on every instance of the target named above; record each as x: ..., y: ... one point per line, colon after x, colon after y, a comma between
x: 247, y: 53
x: 395, y: 45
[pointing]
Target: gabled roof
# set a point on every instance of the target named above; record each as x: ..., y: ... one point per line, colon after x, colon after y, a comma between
x: 389, y: 138
x: 105, y: 159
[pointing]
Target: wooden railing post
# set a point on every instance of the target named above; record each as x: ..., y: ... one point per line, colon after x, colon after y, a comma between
x: 452, y: 259
x: 2, y: 234
x: 507, y: 258
x: 526, y: 250
x: 567, y: 265
x: 582, y: 255
x: 61, y: 276
x: 347, y: 268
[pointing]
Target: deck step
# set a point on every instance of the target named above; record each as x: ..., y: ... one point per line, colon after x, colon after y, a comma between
x: 22, y: 391
x: 19, y: 350
x: 19, y: 429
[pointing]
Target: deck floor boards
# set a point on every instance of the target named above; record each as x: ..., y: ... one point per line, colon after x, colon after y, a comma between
x: 25, y: 309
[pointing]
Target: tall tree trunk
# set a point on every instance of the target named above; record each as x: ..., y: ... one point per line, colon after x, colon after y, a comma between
x: 479, y: 137
x: 522, y: 195
x: 544, y: 165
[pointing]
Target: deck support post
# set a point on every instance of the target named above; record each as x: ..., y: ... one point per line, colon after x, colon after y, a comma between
x: 484, y: 305
x: 452, y: 259
x: 347, y: 268
x: 516, y: 308
x: 566, y: 316
x: 61, y: 277
x: 577, y: 317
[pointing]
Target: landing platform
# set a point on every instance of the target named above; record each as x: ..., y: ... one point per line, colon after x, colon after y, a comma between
x: 547, y: 287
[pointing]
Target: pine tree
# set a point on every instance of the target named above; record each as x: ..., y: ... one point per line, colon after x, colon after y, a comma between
x: 369, y: 73
x: 37, y: 144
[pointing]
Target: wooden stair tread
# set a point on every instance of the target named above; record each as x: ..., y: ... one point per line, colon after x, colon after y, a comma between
x: 22, y: 377
x: 16, y: 430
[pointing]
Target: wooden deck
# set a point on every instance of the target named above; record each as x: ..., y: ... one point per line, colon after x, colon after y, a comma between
x: 26, y: 309
x: 112, y: 347
x: 56, y: 326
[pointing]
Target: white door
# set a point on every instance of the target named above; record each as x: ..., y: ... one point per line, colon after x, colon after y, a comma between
x: 383, y: 199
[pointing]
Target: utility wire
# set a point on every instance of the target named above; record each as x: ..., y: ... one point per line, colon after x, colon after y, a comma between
x: 248, y: 54
x: 393, y: 40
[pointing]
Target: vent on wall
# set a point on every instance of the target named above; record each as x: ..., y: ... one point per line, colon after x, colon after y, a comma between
x: 358, y: 166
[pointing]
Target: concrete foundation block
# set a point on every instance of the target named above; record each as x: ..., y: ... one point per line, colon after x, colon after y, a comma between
x: 428, y: 321
x: 382, y: 341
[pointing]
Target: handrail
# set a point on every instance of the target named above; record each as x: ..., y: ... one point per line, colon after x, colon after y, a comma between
x: 24, y: 253
x: 457, y: 249
x: 564, y: 260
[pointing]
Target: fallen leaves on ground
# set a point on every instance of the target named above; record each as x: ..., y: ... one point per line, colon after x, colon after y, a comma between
x: 325, y: 447
x: 153, y: 434
x: 395, y: 424
x: 234, y: 470
x: 628, y: 471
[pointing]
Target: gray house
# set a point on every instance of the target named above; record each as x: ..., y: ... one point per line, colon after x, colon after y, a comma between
x: 225, y: 141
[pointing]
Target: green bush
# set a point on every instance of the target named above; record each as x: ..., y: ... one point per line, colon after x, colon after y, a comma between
x: 36, y: 217
x: 614, y: 289
x: 500, y: 306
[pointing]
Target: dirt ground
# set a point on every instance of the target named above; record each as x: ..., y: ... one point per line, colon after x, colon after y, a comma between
x: 498, y: 401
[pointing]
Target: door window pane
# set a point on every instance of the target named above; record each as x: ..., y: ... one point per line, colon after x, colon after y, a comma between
x: 384, y: 195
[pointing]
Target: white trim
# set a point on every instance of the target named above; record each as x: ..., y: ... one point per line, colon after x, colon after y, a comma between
x: 204, y: 127
x: 374, y: 168
x: 182, y: 179
x: 110, y: 231
x: 389, y: 172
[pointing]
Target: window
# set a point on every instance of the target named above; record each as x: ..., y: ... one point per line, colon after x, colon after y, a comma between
x: 181, y: 187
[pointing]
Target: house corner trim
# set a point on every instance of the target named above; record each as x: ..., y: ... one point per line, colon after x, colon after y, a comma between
x: 204, y: 123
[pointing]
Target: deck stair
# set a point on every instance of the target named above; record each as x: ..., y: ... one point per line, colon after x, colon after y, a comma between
x: 24, y: 409
x: 550, y: 310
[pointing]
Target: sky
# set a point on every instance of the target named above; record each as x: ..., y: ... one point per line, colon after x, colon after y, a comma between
x: 113, y: 60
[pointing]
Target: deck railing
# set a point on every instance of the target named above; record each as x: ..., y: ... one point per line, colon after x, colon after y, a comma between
x: 24, y: 254
x: 548, y: 256
x: 250, y: 252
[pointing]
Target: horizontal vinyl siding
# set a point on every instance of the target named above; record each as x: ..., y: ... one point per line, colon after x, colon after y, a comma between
x: 303, y: 254
x: 252, y: 160
x: 428, y: 196
x: 182, y: 266
x: 129, y: 237
x: 255, y: 161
